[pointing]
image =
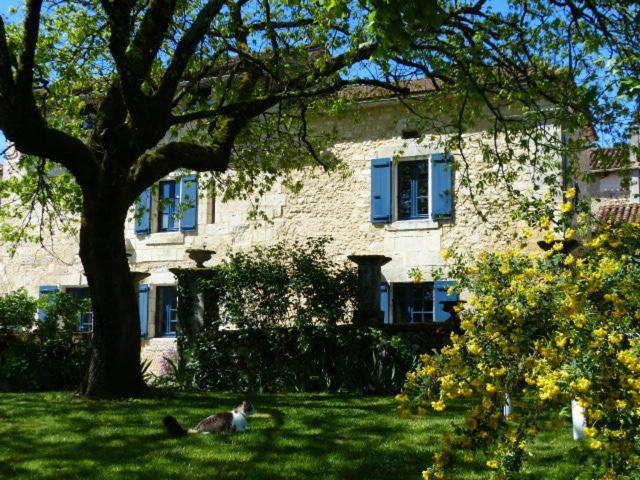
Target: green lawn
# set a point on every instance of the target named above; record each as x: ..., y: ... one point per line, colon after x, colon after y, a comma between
x: 293, y: 436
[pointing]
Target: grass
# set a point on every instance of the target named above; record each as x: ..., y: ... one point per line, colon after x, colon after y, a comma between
x: 293, y: 436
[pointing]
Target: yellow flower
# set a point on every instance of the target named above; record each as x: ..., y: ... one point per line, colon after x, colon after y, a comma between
x: 545, y: 222
x: 493, y: 464
x: 616, y: 338
x: 448, y: 253
x: 570, y: 260
x: 621, y: 404
x: 600, y: 333
x: 474, y: 348
x: 438, y: 406
x: 550, y: 237
x: 582, y: 385
x: 566, y: 207
x: 527, y: 232
x: 570, y: 193
x: 590, y: 431
x: 596, y: 444
x: 569, y: 234
x: 490, y: 388
x: 402, y: 398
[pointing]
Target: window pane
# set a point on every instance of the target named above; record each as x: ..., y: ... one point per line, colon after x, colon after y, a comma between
x: 422, y: 182
x: 423, y: 302
x: 404, y: 190
x: 412, y: 303
x: 166, y: 206
x: 413, y: 189
x: 166, y: 311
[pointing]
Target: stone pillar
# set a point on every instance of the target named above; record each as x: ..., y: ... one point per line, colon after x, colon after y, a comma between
x: 203, y: 306
x: 369, y: 277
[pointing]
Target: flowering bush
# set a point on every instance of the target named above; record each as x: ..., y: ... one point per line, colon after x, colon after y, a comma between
x: 542, y: 330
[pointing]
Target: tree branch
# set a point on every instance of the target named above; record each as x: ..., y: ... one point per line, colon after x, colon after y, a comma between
x: 24, y: 76
x: 185, y: 49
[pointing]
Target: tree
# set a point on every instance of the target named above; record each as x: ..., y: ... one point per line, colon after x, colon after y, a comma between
x: 200, y: 84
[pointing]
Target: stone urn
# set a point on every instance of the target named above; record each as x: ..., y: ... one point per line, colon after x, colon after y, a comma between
x: 200, y: 256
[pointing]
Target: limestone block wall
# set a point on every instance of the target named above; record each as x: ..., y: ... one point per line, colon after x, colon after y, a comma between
x: 331, y: 205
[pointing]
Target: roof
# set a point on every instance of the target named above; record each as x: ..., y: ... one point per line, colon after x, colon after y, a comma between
x: 369, y: 92
x: 609, y: 159
x: 626, y: 212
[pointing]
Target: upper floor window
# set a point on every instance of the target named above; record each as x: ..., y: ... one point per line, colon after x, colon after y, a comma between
x: 177, y: 202
x: 168, y: 206
x: 412, y: 189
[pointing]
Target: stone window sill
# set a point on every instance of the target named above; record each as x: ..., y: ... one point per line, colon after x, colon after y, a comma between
x: 412, y: 225
x: 166, y: 238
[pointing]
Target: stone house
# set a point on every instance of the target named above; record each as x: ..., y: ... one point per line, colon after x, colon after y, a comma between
x: 615, y: 186
x: 402, y: 199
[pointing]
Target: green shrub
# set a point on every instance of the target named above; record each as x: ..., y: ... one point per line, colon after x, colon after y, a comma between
x: 299, y: 358
x: 283, y: 285
x: 47, y: 357
x: 17, y: 311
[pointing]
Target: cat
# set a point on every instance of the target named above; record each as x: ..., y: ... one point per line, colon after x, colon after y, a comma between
x: 233, y: 421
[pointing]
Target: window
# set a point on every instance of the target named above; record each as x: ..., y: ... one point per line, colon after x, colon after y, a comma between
x: 412, y: 189
x: 168, y: 207
x: 85, y: 322
x: 410, y: 303
x: 177, y: 206
x: 166, y: 312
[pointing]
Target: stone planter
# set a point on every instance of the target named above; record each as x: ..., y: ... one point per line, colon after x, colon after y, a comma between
x: 200, y: 256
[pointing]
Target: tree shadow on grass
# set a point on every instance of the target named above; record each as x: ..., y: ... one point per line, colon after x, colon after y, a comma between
x: 292, y: 437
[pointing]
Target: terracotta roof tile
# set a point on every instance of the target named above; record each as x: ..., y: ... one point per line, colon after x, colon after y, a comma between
x: 612, y: 214
x: 606, y: 159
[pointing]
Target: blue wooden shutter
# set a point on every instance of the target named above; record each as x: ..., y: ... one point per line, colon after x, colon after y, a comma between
x: 143, y: 307
x: 189, y: 197
x: 385, y: 301
x: 440, y: 294
x: 46, y: 290
x: 442, y: 186
x: 381, y: 190
x: 143, y: 213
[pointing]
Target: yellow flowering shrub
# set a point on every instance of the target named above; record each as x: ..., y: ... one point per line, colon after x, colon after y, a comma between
x: 542, y: 330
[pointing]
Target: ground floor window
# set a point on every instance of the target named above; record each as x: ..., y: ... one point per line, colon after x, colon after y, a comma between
x: 410, y: 303
x: 166, y: 311
x: 85, y: 322
x: 413, y: 302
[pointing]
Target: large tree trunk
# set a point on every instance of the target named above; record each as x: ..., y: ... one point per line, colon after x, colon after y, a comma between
x: 115, y: 362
